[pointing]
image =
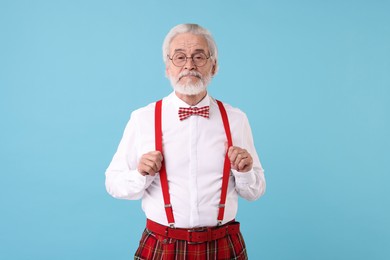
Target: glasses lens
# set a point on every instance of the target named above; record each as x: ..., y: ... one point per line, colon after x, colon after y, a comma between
x: 199, y: 59
x: 179, y: 59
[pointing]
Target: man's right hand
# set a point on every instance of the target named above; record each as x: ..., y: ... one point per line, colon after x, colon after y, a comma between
x: 150, y: 163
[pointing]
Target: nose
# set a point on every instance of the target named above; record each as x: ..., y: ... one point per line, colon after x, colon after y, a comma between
x: 189, y: 65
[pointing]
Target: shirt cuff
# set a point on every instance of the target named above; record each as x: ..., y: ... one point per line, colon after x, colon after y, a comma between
x: 140, y: 180
x: 244, y: 178
x: 137, y: 178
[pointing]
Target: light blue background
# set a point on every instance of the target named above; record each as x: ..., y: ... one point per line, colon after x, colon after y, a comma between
x: 312, y: 76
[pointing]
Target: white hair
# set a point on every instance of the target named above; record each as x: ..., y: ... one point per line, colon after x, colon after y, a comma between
x: 194, y: 29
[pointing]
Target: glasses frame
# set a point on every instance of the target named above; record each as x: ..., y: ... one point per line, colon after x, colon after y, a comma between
x: 191, y: 57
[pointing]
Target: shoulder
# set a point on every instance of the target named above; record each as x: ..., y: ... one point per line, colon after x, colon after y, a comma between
x: 144, y: 111
x: 234, y: 113
x: 149, y: 109
x: 145, y: 115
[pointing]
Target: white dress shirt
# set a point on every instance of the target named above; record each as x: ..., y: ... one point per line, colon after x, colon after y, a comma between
x: 194, y: 152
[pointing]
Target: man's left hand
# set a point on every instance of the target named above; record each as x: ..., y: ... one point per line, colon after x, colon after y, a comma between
x: 240, y: 159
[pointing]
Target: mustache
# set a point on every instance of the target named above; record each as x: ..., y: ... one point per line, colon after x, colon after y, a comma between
x: 189, y: 73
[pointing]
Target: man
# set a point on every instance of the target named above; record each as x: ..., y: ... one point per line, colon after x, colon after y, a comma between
x: 188, y: 157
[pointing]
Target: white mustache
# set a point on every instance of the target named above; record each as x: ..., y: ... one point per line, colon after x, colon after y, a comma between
x: 190, y: 73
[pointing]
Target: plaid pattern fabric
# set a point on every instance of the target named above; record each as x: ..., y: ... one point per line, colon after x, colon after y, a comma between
x: 156, y: 247
x: 185, y: 112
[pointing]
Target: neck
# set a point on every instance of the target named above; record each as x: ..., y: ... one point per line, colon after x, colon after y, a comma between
x: 191, y: 100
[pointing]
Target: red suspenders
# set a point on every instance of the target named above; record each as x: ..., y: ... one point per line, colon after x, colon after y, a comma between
x: 163, y: 173
x: 226, y: 166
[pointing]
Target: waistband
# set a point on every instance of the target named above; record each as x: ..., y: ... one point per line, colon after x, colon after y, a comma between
x: 194, y: 235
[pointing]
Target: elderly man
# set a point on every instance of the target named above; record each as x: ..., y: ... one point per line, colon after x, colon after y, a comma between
x: 188, y: 157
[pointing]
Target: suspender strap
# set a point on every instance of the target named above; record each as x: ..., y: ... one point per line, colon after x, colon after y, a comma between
x: 163, y: 172
x: 226, y: 167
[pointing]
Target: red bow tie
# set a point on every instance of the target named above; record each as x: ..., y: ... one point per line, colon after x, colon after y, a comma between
x: 185, y: 112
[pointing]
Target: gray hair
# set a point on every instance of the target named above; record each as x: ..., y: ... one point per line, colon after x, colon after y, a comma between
x: 194, y: 29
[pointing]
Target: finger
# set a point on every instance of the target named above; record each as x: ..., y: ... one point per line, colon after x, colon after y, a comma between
x: 156, y: 154
x: 158, y: 164
x: 241, y: 155
x: 236, y: 155
x: 157, y: 158
x: 245, y: 164
x: 146, y: 166
x: 232, y: 154
x: 240, y: 159
x: 150, y: 163
x: 151, y: 156
x: 230, y: 150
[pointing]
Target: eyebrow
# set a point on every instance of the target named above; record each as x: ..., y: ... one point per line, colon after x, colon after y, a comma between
x: 196, y: 50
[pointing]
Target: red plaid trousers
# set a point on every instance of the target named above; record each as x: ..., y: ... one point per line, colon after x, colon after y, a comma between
x: 157, y: 247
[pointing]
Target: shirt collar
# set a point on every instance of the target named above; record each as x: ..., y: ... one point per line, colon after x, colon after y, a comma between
x: 177, y: 102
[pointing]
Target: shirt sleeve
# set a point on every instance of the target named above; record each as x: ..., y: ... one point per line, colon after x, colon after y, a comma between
x: 123, y: 181
x: 250, y: 185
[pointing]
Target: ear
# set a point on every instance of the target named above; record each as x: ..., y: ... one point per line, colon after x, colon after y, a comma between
x: 166, y: 71
x: 214, y: 69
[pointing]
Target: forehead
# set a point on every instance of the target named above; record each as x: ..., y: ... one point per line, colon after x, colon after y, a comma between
x: 188, y: 41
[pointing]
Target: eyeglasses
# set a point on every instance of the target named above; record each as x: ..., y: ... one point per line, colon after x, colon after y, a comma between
x: 179, y: 59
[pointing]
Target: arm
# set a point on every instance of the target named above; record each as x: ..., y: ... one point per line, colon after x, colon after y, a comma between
x: 246, y: 166
x: 126, y: 178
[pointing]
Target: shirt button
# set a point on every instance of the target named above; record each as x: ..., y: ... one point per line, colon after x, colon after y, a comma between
x: 165, y: 241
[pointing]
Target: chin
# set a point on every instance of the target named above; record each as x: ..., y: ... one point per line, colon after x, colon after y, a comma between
x: 189, y: 91
x: 190, y: 88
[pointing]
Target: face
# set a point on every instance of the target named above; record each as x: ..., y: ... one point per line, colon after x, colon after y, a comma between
x: 190, y: 79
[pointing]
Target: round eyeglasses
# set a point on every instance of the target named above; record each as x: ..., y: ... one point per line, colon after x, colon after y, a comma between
x: 179, y: 59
